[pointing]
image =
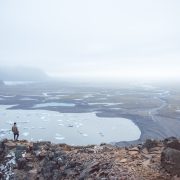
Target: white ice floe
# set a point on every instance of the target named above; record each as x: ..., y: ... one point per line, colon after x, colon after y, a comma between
x: 45, y: 94
x: 53, y: 98
x: 25, y: 133
x: 60, y: 124
x: 59, y: 138
x: 27, y: 99
x: 77, y: 124
x: 115, y: 108
x: 105, y: 104
x: 8, y: 96
x: 62, y: 95
x: 88, y: 96
x: 109, y: 95
x: 53, y: 104
x: 85, y: 135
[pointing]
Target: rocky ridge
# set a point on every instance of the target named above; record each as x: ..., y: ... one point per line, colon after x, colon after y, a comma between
x: 42, y: 160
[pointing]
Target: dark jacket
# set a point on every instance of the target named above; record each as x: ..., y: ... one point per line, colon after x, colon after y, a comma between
x: 15, y: 129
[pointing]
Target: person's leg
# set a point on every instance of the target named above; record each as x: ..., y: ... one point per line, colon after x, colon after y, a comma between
x: 17, y: 136
x: 14, y: 136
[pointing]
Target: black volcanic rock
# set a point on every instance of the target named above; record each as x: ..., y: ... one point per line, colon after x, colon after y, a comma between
x: 170, y: 160
x: 150, y: 144
x: 43, y: 160
x: 172, y: 143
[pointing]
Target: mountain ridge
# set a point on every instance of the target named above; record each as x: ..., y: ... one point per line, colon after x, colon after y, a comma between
x: 22, y: 74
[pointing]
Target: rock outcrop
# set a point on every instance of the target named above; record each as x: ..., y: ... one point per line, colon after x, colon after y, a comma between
x: 170, y: 159
x: 43, y: 160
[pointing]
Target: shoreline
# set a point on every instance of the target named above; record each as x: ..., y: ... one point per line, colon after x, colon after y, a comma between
x: 149, y: 129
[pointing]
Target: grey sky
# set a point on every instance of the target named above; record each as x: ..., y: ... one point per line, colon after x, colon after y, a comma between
x: 94, y: 38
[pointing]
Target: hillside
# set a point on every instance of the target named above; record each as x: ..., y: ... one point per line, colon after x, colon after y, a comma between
x: 43, y: 160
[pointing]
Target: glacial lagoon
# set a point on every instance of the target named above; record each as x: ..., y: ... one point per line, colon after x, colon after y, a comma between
x: 70, y: 128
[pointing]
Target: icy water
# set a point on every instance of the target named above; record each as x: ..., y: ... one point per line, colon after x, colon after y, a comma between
x: 52, y: 104
x: 70, y: 128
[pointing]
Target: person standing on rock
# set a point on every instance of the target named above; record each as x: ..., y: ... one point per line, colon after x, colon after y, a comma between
x: 15, y: 132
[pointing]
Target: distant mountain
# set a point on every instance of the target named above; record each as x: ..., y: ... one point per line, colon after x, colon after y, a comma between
x: 22, y: 74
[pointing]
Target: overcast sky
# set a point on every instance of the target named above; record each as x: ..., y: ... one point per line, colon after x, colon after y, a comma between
x: 92, y: 38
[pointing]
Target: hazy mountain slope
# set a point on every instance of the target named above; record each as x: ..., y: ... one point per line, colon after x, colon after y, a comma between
x: 22, y: 74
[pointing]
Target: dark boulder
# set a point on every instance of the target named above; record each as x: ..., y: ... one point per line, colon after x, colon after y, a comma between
x: 51, y: 155
x: 2, y: 143
x: 172, y: 142
x: 47, y: 169
x: 21, y: 147
x: 150, y: 144
x: 21, y: 162
x: 38, y: 145
x: 1, y: 175
x: 170, y: 160
x: 57, y: 174
x: 29, y: 166
x: 18, y: 154
x: 2, y: 148
x: 91, y: 168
